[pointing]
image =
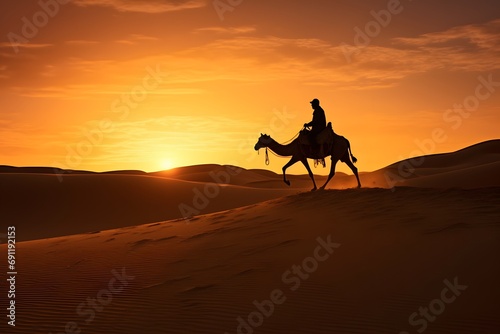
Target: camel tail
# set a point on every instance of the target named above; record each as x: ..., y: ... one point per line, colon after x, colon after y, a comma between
x: 354, y: 160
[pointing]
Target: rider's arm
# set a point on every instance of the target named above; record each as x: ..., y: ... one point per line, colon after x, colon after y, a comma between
x: 314, y: 121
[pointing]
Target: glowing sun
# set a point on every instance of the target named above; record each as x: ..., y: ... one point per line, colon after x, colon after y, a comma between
x: 166, y: 164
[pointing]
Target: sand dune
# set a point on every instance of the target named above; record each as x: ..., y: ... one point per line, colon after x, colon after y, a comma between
x: 396, y: 249
x: 470, y: 177
x: 370, y: 259
x: 37, y: 202
x: 455, y: 170
x: 403, y: 171
x: 41, y: 206
x: 472, y: 167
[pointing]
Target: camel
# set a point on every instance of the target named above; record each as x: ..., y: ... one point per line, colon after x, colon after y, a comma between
x: 340, y: 150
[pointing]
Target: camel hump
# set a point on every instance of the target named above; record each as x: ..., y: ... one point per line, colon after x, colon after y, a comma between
x: 329, y: 128
x: 326, y: 136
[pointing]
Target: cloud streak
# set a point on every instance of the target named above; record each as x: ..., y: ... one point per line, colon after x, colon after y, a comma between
x: 237, y: 57
x: 144, y: 6
x: 25, y: 45
x: 85, y: 91
x: 228, y: 30
x: 484, y: 36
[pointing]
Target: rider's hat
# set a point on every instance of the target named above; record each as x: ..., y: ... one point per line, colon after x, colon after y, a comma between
x: 315, y: 101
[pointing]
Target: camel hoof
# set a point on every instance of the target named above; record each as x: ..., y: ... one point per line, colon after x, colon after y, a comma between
x: 313, y: 189
x: 322, y: 188
x: 287, y: 183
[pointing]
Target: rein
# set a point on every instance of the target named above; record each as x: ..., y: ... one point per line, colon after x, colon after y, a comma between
x: 287, y: 142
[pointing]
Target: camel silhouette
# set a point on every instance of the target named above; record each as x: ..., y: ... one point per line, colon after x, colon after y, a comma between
x: 340, y: 149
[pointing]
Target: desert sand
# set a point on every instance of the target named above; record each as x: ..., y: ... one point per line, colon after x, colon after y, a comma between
x: 111, y: 253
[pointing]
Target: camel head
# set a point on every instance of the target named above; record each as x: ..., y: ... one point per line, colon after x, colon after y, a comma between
x: 264, y: 141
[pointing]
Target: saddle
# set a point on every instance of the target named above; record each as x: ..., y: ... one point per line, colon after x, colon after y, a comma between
x: 324, y: 143
x: 324, y: 137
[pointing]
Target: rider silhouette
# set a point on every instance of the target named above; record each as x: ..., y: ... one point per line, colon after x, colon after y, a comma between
x: 317, y: 124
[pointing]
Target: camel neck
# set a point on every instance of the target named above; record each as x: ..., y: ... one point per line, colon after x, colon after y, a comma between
x: 283, y: 150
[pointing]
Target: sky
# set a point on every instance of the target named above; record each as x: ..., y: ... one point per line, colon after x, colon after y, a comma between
x: 155, y: 84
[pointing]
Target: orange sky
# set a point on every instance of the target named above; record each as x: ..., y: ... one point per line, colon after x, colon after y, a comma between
x: 153, y: 84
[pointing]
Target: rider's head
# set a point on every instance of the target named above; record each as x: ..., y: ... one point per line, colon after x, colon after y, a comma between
x: 315, y: 103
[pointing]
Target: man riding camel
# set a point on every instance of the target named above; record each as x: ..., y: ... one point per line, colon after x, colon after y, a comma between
x: 317, y: 124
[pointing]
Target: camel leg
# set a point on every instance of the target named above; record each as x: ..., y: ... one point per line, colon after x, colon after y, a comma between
x: 354, y: 170
x: 332, y: 172
x: 311, y: 175
x: 292, y: 161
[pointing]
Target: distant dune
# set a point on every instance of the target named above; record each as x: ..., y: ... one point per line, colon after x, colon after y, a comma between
x: 41, y: 206
x: 473, y: 167
x: 374, y: 257
x: 35, y: 199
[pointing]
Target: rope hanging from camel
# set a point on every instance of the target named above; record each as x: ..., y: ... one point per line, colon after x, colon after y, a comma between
x: 285, y: 143
x: 267, y: 156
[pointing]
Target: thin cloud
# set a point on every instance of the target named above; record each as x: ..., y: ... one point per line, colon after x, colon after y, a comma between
x: 136, y: 38
x: 481, y: 35
x: 125, y: 41
x: 84, y: 91
x: 140, y: 37
x: 469, y: 48
x: 144, y: 6
x: 249, y: 59
x: 25, y: 45
x: 229, y: 30
x: 81, y: 42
